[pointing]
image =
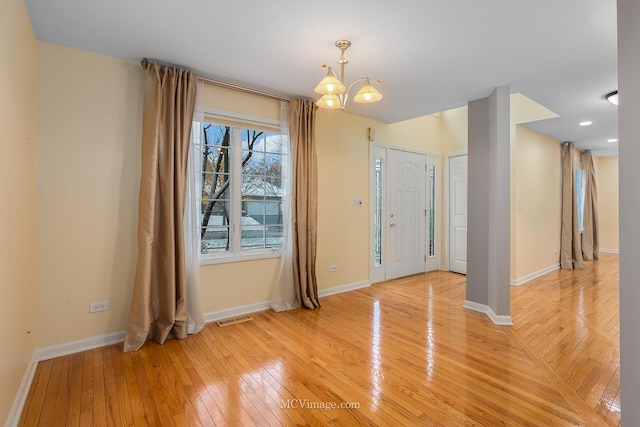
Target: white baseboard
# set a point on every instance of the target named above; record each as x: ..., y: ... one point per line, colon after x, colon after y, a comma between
x: 21, y: 396
x: 498, y: 320
x: 534, y: 275
x: 264, y: 305
x: 344, y: 288
x: 213, y: 316
x: 609, y: 251
x: 72, y: 347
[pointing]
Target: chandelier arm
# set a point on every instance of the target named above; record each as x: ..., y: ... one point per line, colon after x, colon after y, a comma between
x: 345, y: 95
x: 354, y: 82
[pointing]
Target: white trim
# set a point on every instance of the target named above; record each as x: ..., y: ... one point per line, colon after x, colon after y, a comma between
x: 213, y: 316
x: 21, y: 396
x: 72, y: 347
x: 251, y: 255
x: 344, y: 288
x: 264, y: 305
x: 534, y: 275
x: 609, y: 251
x: 481, y: 308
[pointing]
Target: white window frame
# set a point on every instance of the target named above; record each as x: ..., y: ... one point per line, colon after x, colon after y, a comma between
x: 239, y: 122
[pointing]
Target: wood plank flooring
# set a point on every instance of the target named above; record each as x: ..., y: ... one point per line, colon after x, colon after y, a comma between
x: 402, y: 352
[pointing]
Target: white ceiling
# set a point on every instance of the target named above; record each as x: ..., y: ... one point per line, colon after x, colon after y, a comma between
x: 431, y: 55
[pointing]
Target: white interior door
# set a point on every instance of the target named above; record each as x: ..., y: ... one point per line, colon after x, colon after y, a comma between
x: 405, y: 222
x: 458, y: 214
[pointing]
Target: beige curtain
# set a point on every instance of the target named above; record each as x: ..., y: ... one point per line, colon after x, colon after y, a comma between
x: 570, y: 244
x: 304, y: 202
x: 159, y: 306
x: 590, y: 215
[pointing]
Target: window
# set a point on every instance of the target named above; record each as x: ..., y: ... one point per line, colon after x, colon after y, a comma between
x: 580, y: 189
x: 241, y: 197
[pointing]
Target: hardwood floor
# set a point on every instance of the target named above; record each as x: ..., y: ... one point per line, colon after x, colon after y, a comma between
x: 402, y: 352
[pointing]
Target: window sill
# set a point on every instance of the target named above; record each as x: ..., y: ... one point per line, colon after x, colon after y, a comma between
x: 249, y: 256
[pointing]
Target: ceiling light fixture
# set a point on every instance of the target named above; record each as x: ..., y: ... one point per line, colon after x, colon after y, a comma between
x: 585, y: 123
x: 335, y: 93
x: 612, y: 140
x: 612, y: 97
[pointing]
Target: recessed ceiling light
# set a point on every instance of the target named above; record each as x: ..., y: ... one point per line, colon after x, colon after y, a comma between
x: 612, y: 140
x: 585, y: 123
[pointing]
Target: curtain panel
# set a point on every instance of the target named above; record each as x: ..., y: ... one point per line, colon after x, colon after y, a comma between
x: 590, y: 233
x: 570, y: 244
x: 304, y: 202
x: 283, y: 296
x: 577, y: 246
x: 159, y: 302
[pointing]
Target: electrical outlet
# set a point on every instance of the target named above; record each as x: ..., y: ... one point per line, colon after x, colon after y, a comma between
x: 98, y: 306
x: 333, y: 268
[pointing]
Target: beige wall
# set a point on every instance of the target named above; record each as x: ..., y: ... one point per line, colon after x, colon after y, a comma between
x: 419, y: 134
x: 537, y: 202
x: 342, y: 147
x: 89, y: 114
x: 453, y: 131
x: 17, y: 198
x: 607, y: 183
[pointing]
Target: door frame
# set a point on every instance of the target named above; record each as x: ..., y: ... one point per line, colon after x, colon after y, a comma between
x: 380, y: 150
x: 446, y: 206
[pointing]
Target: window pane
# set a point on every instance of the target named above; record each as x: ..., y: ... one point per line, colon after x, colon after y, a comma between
x: 273, y: 212
x: 253, y: 209
x: 274, y: 236
x: 214, y: 229
x: 432, y: 214
x: 261, y: 189
x: 215, y: 239
x: 253, y: 163
x: 377, y: 217
x: 253, y: 234
x: 215, y: 184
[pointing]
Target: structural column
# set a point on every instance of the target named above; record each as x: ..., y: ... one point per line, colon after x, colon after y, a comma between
x: 488, y: 207
x: 629, y: 199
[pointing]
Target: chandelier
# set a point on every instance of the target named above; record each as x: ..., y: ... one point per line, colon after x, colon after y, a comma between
x: 335, y: 93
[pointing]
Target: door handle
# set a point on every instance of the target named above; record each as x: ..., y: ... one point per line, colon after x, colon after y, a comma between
x: 393, y: 224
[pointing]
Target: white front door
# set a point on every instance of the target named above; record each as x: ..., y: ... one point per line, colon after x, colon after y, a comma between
x: 458, y: 214
x: 405, y: 214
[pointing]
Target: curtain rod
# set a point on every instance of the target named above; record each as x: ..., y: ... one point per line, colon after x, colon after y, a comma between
x: 145, y: 63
